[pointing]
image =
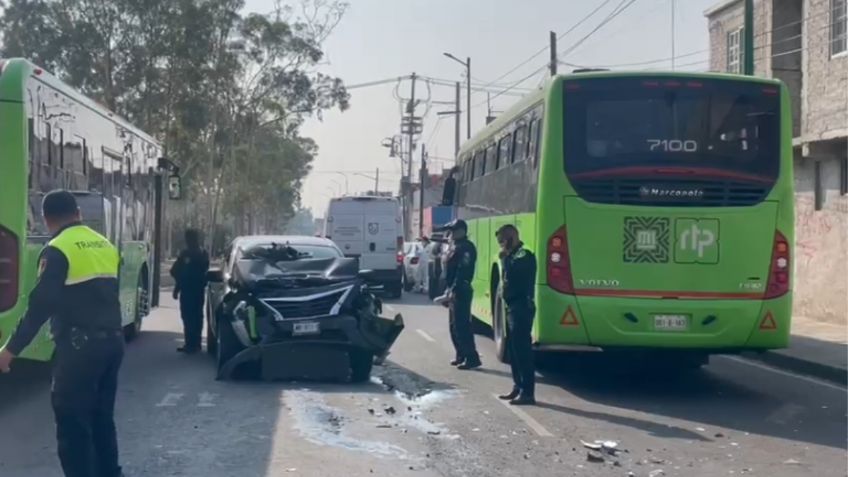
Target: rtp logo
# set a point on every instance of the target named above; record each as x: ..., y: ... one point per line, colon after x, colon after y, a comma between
x: 696, y: 241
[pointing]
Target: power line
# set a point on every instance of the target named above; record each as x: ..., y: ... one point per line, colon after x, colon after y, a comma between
x: 641, y: 63
x: 376, y: 83
x: 545, y: 48
x: 619, y: 9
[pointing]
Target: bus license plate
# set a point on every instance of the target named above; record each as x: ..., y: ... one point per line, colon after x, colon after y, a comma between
x: 671, y: 322
x: 308, y: 328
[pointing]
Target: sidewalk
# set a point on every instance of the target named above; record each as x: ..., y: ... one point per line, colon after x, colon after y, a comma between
x: 815, y: 348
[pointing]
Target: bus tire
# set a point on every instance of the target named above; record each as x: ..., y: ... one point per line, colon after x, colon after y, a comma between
x: 499, y: 329
x: 132, y: 330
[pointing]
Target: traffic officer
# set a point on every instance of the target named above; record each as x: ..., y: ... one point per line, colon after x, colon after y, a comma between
x: 518, y: 266
x: 189, y: 272
x: 459, y: 272
x: 77, y: 289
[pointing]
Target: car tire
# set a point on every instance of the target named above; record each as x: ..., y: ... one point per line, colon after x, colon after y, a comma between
x: 227, y: 346
x: 396, y: 290
x: 211, y: 335
x: 499, y: 329
x: 361, y: 363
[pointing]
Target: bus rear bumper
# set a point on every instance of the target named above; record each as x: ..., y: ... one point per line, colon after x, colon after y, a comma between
x: 715, y: 325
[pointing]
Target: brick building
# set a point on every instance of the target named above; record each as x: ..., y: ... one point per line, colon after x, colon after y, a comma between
x: 805, y: 44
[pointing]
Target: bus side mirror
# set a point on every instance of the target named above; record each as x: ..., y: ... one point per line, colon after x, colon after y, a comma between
x: 449, y: 191
x: 175, y: 187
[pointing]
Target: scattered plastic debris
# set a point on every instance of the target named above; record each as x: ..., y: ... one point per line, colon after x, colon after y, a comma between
x: 792, y: 462
x: 656, y: 473
x: 719, y: 435
x: 595, y: 447
x: 700, y: 429
x: 594, y: 456
x: 390, y: 411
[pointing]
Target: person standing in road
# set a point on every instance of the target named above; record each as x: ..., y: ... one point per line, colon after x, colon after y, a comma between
x: 421, y: 273
x: 77, y: 290
x: 518, y: 267
x: 460, y: 271
x: 189, y: 272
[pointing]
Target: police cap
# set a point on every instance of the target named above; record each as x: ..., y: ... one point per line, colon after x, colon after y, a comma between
x: 457, y: 224
x: 59, y: 204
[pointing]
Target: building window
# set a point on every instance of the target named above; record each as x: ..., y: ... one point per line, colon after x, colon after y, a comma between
x: 838, y: 27
x: 843, y: 176
x: 735, y: 51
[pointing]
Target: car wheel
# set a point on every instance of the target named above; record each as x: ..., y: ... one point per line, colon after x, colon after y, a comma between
x: 499, y: 329
x: 361, y: 363
x: 211, y: 335
x: 396, y: 290
x: 227, y: 346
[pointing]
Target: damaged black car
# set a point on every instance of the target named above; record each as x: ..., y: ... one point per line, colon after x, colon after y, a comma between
x: 291, y: 307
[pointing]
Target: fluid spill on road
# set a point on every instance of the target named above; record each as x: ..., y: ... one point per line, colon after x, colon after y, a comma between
x: 416, y: 397
x: 322, y: 424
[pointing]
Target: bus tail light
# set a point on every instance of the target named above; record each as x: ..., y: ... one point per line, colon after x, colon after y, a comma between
x: 558, y: 263
x: 780, y: 270
x: 9, y: 269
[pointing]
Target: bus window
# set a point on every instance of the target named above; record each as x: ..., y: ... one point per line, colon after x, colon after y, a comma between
x: 537, y: 143
x: 505, y: 149
x: 519, y: 147
x: 531, y: 143
x: 491, y: 159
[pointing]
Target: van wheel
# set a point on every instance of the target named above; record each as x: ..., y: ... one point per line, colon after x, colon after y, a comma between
x: 499, y: 329
x: 408, y: 285
x: 226, y: 347
x: 396, y: 290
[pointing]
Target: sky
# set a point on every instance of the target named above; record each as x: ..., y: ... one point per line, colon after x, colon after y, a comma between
x: 384, y: 39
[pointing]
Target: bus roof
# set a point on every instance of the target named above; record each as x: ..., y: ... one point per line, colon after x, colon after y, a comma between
x: 15, y: 71
x: 539, y: 95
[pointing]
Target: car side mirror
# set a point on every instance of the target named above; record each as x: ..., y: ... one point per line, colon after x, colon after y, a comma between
x: 215, y: 275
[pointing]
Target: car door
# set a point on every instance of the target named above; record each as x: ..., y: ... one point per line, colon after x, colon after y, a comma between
x: 216, y: 291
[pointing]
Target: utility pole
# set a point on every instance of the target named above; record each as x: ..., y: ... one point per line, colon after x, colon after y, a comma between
x: 458, y: 119
x: 422, y: 173
x: 377, y: 182
x: 411, y: 146
x: 468, y: 96
x: 554, y: 53
x: 749, y: 38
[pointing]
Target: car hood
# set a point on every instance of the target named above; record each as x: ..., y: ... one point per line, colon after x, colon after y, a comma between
x: 254, y: 274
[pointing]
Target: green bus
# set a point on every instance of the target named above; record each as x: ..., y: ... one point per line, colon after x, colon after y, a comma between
x: 51, y: 136
x: 659, y: 206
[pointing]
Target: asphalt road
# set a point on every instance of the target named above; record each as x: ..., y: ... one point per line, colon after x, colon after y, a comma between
x: 421, y: 417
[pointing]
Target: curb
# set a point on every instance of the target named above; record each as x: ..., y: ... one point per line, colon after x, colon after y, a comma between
x: 801, y: 366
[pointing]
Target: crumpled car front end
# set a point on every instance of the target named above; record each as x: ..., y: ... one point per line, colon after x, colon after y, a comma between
x: 326, y: 327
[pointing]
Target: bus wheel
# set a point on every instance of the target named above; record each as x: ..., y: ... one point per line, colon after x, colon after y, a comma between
x: 499, y: 329
x: 132, y: 330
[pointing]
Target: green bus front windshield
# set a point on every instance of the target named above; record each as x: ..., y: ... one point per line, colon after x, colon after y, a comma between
x: 704, y: 128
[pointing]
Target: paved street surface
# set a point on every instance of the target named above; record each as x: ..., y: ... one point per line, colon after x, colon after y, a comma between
x: 421, y: 417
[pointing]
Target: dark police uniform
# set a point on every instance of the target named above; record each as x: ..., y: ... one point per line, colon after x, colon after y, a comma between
x: 78, y: 290
x: 189, y: 272
x: 519, y: 277
x: 459, y: 273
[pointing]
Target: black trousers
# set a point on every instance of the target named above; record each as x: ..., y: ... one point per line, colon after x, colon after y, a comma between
x: 191, y: 311
x: 85, y: 381
x: 520, y: 322
x: 460, y: 325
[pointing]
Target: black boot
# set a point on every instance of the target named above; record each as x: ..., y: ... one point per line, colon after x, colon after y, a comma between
x: 457, y: 361
x: 524, y: 400
x: 470, y: 363
x: 512, y: 395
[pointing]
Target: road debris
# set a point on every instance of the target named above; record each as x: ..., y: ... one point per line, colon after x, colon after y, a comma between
x: 700, y: 429
x: 792, y: 462
x: 594, y: 456
x: 390, y: 411
x: 656, y: 473
x: 719, y: 435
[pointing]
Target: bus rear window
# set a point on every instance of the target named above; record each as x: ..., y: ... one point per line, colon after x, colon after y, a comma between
x: 642, y: 125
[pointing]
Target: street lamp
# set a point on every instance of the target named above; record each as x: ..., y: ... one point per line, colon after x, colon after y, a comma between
x: 347, y: 188
x: 467, y: 65
x: 338, y: 184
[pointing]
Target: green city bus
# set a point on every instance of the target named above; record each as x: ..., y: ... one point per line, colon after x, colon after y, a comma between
x: 51, y: 136
x: 659, y: 207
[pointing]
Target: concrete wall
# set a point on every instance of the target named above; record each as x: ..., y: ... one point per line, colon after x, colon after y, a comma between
x: 825, y: 107
x: 821, y: 245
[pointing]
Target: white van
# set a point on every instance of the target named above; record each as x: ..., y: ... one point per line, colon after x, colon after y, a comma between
x: 370, y: 229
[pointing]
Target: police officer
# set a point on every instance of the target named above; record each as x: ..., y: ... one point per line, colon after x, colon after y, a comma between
x: 518, y: 266
x: 78, y: 290
x: 189, y: 272
x: 459, y: 272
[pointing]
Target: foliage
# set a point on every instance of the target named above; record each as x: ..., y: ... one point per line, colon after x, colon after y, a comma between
x: 226, y: 92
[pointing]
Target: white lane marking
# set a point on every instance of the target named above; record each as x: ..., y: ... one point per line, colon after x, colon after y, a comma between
x: 206, y: 400
x: 820, y: 382
x: 170, y: 400
x: 390, y: 308
x: 532, y: 423
x: 425, y: 335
